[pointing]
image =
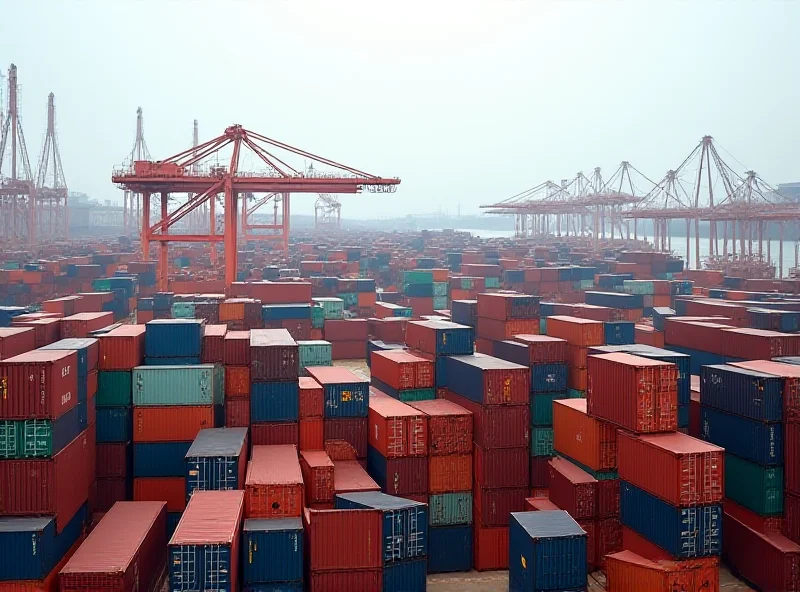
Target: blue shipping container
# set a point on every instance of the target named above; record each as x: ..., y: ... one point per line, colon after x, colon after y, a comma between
x: 464, y: 312
x: 175, y: 361
x: 465, y: 374
x: 406, y: 576
x: 682, y: 532
x: 405, y: 522
x: 200, y: 568
x: 619, y: 332
x: 173, y: 338
x: 81, y: 346
x: 272, y: 551
x: 276, y: 587
x: 660, y: 315
x: 274, y: 401
x: 512, y: 351
x: 159, y: 459
x: 615, y: 300
x: 748, y: 393
x: 683, y: 416
x: 451, y: 339
x: 114, y: 424
x: 450, y: 548
x: 214, y: 459
x: 759, y: 442
x: 285, y: 312
x: 548, y: 378
x: 30, y: 547
x: 347, y: 399
x: 172, y: 522
x: 546, y: 551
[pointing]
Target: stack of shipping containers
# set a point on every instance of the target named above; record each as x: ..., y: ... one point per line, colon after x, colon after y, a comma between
x: 435, y: 341
x: 501, y: 316
x: 580, y: 335
x: 310, y: 412
x: 348, y: 338
x: 236, y: 357
x: 402, y: 375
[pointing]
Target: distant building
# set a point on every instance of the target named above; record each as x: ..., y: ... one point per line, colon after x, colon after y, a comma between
x: 790, y: 190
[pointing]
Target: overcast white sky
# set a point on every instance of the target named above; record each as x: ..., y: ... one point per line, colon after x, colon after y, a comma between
x: 467, y: 102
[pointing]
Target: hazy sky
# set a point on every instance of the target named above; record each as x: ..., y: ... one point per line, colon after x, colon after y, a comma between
x: 467, y: 102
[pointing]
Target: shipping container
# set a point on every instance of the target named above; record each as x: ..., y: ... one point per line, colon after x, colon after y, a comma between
x: 341, y: 540
x: 172, y: 338
x: 346, y: 394
x: 397, y: 429
x: 572, y: 489
x: 311, y: 434
x: 275, y: 401
x: 791, y: 452
x: 752, y: 440
x: 628, y: 572
x: 401, y: 576
x: 496, y: 426
x: 311, y: 398
x: 576, y: 331
x: 748, y: 393
x: 204, y: 550
x: 272, y: 552
x: 585, y: 439
x: 490, y: 547
x: 757, y: 522
x: 449, y: 548
x: 398, y: 476
x: 402, y: 370
x: 359, y: 580
x: 123, y: 348
x: 80, y: 325
x: 449, y: 427
x: 114, y: 424
x: 41, y: 438
x: 492, y: 507
x: 237, y: 381
x: 114, y: 389
x: 488, y: 381
x: 318, y: 476
x: 159, y: 459
x: 791, y: 383
x: 15, y: 341
x: 274, y: 483
x: 677, y: 468
x: 547, y: 551
x: 173, y: 424
x: 39, y: 384
x: 171, y: 490
x: 214, y: 344
x: 275, y: 433
x: 542, y: 349
x: 501, y: 467
x: 217, y: 460
x: 756, y: 487
x: 237, y: 348
x: 349, y: 476
x: 113, y: 460
x: 352, y: 430
x: 448, y: 473
x: 440, y: 338
x: 88, y: 351
x: 237, y: 412
x: 504, y: 307
x: 450, y: 509
x: 274, y: 355
x: 178, y: 385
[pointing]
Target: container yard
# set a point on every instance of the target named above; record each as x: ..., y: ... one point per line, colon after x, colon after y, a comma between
x: 204, y: 390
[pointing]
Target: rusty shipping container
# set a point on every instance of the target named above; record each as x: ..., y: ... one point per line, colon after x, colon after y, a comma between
x: 237, y: 348
x: 585, y: 439
x: 628, y: 572
x: 274, y: 483
x: 496, y: 426
x: 214, y: 344
x: 122, y: 348
x: 172, y: 424
x: 573, y: 489
x: 352, y: 430
x: 397, y: 429
x: 274, y: 355
x: 501, y: 467
x: 318, y: 476
x: 449, y: 427
x: 449, y: 473
x: 312, y: 398
x: 41, y: 384
x: 237, y: 381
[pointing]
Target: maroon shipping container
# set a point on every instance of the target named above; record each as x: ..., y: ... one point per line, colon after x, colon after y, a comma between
x: 349, y: 476
x: 15, y: 341
x: 791, y: 453
x: 769, y: 561
x: 755, y: 521
x: 122, y: 348
x: 636, y: 393
x: 504, y: 307
x: 274, y: 355
x: 275, y: 433
x: 758, y: 344
x: 214, y: 344
x: 318, y: 478
x: 345, y: 330
x: 496, y: 426
x: 608, y: 539
x: 449, y: 427
x: 55, y: 486
x: 112, y: 460
x: 312, y: 398
x: 352, y: 430
x: 543, y: 348
x: 40, y: 384
x: 791, y: 383
x: 126, y: 551
x: 237, y: 348
x: 791, y: 522
x: 109, y: 492
x: 348, y: 350
x: 352, y: 580
x: 343, y: 539
x: 237, y: 412
x: 402, y: 370
x: 494, y: 506
x: 83, y: 323
x: 607, y: 498
x: 501, y: 467
x: 695, y: 412
x: 389, y: 330
x: 540, y: 472
x: 679, y: 469
x: 406, y: 475
x: 700, y: 335
x: 573, y: 489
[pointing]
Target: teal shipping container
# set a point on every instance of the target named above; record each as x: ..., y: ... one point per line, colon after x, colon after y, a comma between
x: 756, y: 487
x: 315, y: 353
x: 541, y: 441
x: 492, y: 282
x: 440, y: 303
x: 178, y: 385
x: 440, y: 288
x: 642, y: 287
x: 332, y: 308
x: 317, y: 317
x: 542, y: 407
x: 183, y: 310
x: 350, y: 299
x: 411, y: 395
x: 114, y: 389
x: 450, y: 509
x: 418, y: 276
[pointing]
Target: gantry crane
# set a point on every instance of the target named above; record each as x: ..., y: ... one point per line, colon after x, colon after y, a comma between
x: 327, y: 212
x: 131, y: 200
x: 51, y: 185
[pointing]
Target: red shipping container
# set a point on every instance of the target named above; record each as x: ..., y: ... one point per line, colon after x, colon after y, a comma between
x: 758, y: 343
x: 171, y: 490
x: 636, y: 393
x: 312, y: 434
x: 700, y: 335
x: 496, y: 426
x: 341, y: 450
x: 608, y: 539
x: 345, y: 330
x: 449, y: 473
x: 352, y: 580
x: 214, y: 344
x: 628, y: 572
x: 273, y: 292
x: 274, y: 355
x: 109, y: 492
x: 695, y: 424
x: 237, y: 412
x: 45, y: 331
x: 112, y: 460
x: 343, y: 539
x: 576, y: 357
x: 57, y: 486
x: 573, y: 489
x: 679, y: 469
x: 769, y: 561
x: 494, y: 506
x: 274, y: 483
x: 757, y: 522
x: 312, y: 398
x: 489, y: 547
x: 501, y: 330
x: 171, y: 424
x: 389, y: 330
x: 585, y: 439
x: 790, y: 526
x: 318, y: 476
x: 237, y: 348
x: 449, y: 427
x: 501, y: 467
x: 349, y: 476
x: 791, y: 383
x: 507, y: 306
x: 421, y: 335
x: 543, y: 348
x: 607, y: 498
x: 396, y: 429
x: 576, y: 331
x: 407, y: 475
x: 275, y: 433
x: 125, y: 551
x: 540, y: 472
x: 81, y: 324
x: 237, y: 381
x: 15, y: 341
x: 352, y: 430
x: 791, y: 453
x: 40, y: 384
x: 402, y: 370
x: 348, y: 350
x: 122, y: 348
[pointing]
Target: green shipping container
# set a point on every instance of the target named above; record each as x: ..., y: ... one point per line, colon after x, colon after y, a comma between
x: 574, y: 394
x: 543, y: 326
x: 440, y: 303
x: 200, y: 384
x: 541, y: 441
x: 332, y: 308
x: 183, y: 310
x: 599, y: 475
x: 542, y: 407
x: 492, y: 282
x: 350, y: 299
x: 753, y: 486
x: 411, y: 395
x: 317, y: 317
x: 114, y: 389
x: 26, y: 438
x: 418, y: 276
x: 450, y: 509
x: 101, y: 285
x: 315, y: 353
x: 440, y: 288
x: 10, y: 445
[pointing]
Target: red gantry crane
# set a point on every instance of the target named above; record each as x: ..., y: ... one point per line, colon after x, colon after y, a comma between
x: 51, y: 185
x: 176, y: 175
x: 131, y: 200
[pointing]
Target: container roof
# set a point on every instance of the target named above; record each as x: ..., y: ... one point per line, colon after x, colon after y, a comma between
x: 272, y: 524
x: 379, y: 501
x: 218, y: 442
x: 211, y: 517
x: 274, y: 465
x: 545, y: 525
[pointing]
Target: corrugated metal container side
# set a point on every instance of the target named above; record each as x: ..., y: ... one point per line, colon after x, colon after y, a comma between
x: 274, y: 355
x: 237, y: 412
x: 576, y: 331
x: 450, y: 549
x: 449, y: 509
x: 791, y: 383
x: 312, y: 398
x: 39, y: 384
x: 501, y: 467
x: 204, y: 550
x: 178, y: 385
x: 674, y: 467
x: 171, y: 490
x: 761, y: 523
x: 172, y: 424
x: 490, y: 547
x: 683, y: 532
x: 343, y: 540
x: 346, y: 394
x: 496, y: 426
x: 114, y: 389
x: 217, y: 460
x: 748, y: 393
x: 398, y: 476
x: 401, y: 369
x: 274, y: 401
x: 449, y: 473
x: 237, y: 348
x: 352, y: 430
x: 113, y: 460
x: 114, y: 424
x: 318, y: 476
x: 628, y: 572
x: 633, y: 392
x: 508, y: 306
x: 492, y: 507
x: 543, y: 349
x: 41, y: 438
x: 214, y: 344
x: 547, y: 551
x: 274, y: 483
x: 237, y: 381
x: 397, y: 429
x: 572, y: 489
x: 789, y: 525
x: 88, y: 350
x: 356, y: 580
x: 755, y: 441
x: 449, y: 427
x: 769, y: 561
x: 15, y: 341
x: 588, y: 440
x: 311, y: 434
x: 171, y: 338
x: 440, y: 338
x: 489, y: 381
x: 272, y: 551
x: 350, y: 476
x: 122, y: 348
x: 124, y: 551
x: 756, y: 487
x: 159, y: 459
x: 405, y: 575
x: 792, y: 452
x: 547, y: 378
x: 275, y: 433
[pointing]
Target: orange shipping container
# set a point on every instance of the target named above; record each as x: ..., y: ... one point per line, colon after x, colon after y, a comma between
x: 628, y: 572
x: 647, y: 335
x: 161, y: 489
x: 274, y: 483
x: 122, y: 348
x: 582, y: 438
x: 449, y: 473
x: 396, y: 429
x: 367, y: 298
x: 231, y: 310
x: 237, y: 381
x: 171, y: 424
x: 576, y: 331
x: 312, y: 434
x: 317, y: 469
